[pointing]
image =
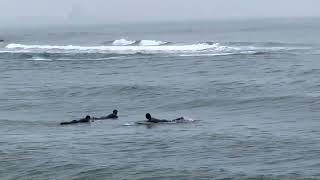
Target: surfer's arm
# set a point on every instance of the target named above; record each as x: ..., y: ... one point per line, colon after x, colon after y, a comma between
x: 110, y: 116
x: 178, y: 119
x: 163, y: 120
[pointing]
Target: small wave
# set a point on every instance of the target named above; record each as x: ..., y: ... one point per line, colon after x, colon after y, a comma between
x: 92, y: 59
x: 122, y: 42
x: 151, y: 43
x: 128, y: 124
x: 14, y: 51
x: 187, y: 119
x: 39, y: 59
x: 125, y: 42
x: 151, y: 47
x: 118, y: 49
x: 60, y: 56
x: 210, y: 54
x: 224, y: 54
x: 273, y: 48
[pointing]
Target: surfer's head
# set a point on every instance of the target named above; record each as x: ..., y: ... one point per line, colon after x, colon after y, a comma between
x: 148, y: 116
x: 88, y: 117
x: 115, y: 112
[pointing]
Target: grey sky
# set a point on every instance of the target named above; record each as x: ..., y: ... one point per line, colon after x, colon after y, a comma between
x: 114, y: 11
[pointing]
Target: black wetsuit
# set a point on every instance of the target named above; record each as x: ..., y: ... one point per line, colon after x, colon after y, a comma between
x: 110, y: 116
x: 155, y: 120
x: 179, y: 119
x: 84, y: 120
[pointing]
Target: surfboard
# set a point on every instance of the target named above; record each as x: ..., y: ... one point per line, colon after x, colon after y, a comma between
x: 144, y: 123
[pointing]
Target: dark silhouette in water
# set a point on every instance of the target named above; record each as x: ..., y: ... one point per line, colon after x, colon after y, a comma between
x: 155, y: 120
x: 83, y: 120
x: 113, y: 115
x: 87, y: 119
x: 1, y: 40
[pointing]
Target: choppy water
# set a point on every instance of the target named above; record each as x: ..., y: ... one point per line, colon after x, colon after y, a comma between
x: 254, y: 86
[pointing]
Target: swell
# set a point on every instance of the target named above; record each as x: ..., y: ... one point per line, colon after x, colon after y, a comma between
x: 48, y: 56
x: 124, y: 42
x: 132, y: 49
x: 284, y: 102
x: 154, y: 47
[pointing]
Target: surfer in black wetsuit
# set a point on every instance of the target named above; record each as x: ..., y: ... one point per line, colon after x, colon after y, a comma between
x: 83, y: 120
x: 155, y: 120
x: 113, y: 115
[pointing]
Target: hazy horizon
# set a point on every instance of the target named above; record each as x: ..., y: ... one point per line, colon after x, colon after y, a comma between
x: 70, y: 12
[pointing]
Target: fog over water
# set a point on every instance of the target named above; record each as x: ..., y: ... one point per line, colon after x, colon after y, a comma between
x: 65, y: 12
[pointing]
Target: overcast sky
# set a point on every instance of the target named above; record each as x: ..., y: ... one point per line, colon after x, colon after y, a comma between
x: 26, y: 12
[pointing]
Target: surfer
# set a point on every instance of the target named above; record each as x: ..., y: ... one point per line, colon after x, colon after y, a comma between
x: 83, y: 120
x: 113, y: 115
x: 155, y: 120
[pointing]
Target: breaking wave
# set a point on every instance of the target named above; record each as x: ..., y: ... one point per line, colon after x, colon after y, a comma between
x: 151, y: 43
x: 124, y: 42
x: 123, y: 47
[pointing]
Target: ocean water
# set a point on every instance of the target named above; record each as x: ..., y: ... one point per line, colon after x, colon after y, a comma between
x: 252, y: 85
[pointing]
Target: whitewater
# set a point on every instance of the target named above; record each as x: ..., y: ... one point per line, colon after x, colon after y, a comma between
x: 149, y: 47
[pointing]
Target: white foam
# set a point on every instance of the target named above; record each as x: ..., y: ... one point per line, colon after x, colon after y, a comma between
x: 189, y: 119
x: 15, y: 51
x: 209, y: 54
x: 122, y: 42
x: 124, y: 47
x: 39, y: 59
x: 151, y: 43
x: 128, y: 124
x: 274, y: 48
x: 119, y: 49
x: 125, y: 42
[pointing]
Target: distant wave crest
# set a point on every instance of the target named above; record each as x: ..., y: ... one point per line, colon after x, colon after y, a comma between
x: 124, y: 42
x: 151, y: 47
x: 146, y: 46
x: 151, y: 43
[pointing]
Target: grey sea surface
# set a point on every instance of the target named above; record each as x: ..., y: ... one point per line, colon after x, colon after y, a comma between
x: 252, y: 85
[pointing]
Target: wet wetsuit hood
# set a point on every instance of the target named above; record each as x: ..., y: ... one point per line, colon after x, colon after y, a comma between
x: 148, y: 116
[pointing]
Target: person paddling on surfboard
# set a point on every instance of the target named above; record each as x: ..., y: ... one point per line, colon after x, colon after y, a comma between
x: 155, y: 120
x: 83, y: 120
x: 113, y: 115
